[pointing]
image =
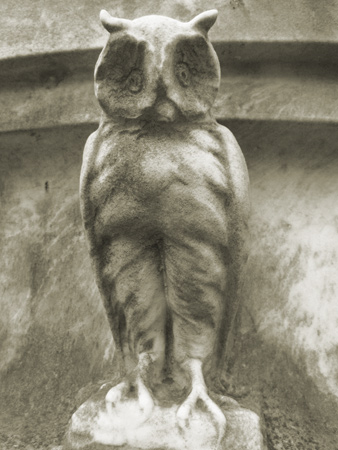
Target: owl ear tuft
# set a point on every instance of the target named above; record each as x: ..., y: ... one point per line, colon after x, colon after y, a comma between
x: 113, y: 24
x: 205, y: 20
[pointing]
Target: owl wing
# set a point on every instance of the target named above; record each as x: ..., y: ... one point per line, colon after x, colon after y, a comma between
x: 238, y: 212
x: 90, y: 206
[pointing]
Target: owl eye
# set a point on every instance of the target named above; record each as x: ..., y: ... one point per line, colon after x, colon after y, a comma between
x: 135, y: 81
x: 182, y: 73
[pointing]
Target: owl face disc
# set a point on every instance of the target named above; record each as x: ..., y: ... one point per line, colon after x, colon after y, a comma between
x: 157, y: 68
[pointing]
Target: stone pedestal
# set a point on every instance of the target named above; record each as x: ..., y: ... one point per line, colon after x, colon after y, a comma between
x: 93, y: 428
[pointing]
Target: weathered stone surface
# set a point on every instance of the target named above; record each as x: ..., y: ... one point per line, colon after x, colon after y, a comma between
x: 165, y: 203
x: 93, y: 428
x: 52, y: 26
x: 47, y: 352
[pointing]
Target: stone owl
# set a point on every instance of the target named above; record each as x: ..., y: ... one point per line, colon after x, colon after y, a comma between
x: 164, y: 200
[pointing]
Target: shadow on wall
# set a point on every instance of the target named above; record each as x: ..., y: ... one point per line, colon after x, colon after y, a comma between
x: 292, y: 275
x: 54, y: 334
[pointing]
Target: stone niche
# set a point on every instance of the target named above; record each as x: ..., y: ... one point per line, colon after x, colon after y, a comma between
x: 55, y: 343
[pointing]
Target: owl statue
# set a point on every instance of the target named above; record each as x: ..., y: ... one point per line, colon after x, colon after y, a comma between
x: 164, y: 200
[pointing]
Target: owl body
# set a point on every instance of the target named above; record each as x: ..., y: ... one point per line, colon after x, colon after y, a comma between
x: 164, y: 199
x: 165, y: 186
x: 161, y: 172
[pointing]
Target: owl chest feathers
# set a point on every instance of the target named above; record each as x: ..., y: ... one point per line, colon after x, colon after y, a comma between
x: 135, y: 176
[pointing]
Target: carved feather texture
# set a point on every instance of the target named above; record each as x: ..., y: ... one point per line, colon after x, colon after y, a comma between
x: 164, y: 193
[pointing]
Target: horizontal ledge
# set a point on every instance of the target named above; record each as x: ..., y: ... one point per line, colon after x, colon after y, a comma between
x: 56, y: 89
x: 265, y: 96
x: 229, y: 122
x: 253, y: 97
x: 35, y: 68
x: 277, y: 51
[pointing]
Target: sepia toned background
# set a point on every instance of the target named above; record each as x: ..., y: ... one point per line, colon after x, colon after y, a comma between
x: 279, y: 96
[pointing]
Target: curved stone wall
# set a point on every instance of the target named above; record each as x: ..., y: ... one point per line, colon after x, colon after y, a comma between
x: 279, y: 97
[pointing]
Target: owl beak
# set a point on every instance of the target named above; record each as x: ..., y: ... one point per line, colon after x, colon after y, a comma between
x: 165, y: 111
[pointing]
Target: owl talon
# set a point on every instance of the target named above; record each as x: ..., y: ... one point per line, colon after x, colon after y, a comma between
x: 185, y: 411
x: 182, y: 416
x: 146, y: 404
x: 218, y: 417
x: 145, y: 400
x: 115, y: 394
x: 199, y: 392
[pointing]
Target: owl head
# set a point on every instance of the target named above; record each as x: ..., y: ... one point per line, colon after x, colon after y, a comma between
x: 158, y: 68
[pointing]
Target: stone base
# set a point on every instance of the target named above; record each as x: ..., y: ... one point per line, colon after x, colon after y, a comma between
x: 93, y: 428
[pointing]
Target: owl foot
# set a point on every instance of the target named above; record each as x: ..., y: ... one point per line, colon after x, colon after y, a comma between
x: 186, y: 408
x: 145, y: 400
x: 115, y: 394
x: 199, y: 392
x: 123, y: 390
